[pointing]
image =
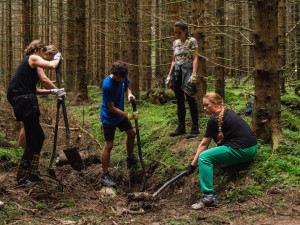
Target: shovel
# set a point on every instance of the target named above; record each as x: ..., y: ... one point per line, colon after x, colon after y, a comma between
x: 138, y: 136
x: 139, y: 196
x: 72, y: 154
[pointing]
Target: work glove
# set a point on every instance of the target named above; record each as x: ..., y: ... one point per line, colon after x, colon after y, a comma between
x: 57, y: 56
x: 168, y: 80
x: 131, y: 97
x: 190, y: 169
x: 133, y: 116
x: 58, y: 92
x: 193, y: 79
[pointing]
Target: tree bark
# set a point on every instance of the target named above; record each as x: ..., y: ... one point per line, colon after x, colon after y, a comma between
x: 26, y: 22
x: 281, y: 43
x: 267, y: 87
x: 132, y: 42
x: 102, y: 43
x: 219, y: 69
x: 80, y: 43
x: 71, y: 47
x: 9, y: 43
x: 297, y: 11
x: 198, y: 14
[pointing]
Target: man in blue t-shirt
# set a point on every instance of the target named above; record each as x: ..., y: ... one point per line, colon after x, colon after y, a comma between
x: 112, y: 115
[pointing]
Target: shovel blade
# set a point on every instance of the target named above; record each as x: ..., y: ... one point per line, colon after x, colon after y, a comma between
x: 74, y: 158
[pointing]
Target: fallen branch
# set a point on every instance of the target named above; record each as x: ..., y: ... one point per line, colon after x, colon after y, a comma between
x: 74, y: 129
x: 89, y: 135
x: 52, y: 126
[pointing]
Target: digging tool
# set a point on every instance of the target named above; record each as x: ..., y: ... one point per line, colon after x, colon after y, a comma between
x: 72, y: 154
x: 146, y: 196
x: 138, y: 136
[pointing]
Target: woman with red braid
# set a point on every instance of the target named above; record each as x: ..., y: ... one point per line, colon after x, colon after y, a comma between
x: 236, y: 144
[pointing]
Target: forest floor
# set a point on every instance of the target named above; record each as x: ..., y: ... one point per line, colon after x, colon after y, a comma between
x: 76, y: 198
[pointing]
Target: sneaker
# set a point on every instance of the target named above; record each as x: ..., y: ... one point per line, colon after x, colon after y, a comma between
x: 194, y: 133
x: 178, y: 131
x: 132, y: 161
x: 206, y: 201
x: 106, y: 180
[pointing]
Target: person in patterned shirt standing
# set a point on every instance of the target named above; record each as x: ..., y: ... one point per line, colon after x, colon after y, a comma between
x: 182, y: 78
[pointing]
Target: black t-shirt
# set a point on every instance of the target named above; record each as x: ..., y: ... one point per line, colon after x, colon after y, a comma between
x: 24, y: 80
x: 237, y: 133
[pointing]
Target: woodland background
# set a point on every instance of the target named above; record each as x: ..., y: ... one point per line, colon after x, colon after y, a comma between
x: 247, y: 50
x: 242, y: 40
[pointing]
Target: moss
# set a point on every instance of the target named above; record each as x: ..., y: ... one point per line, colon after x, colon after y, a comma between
x: 290, y: 99
x: 290, y: 121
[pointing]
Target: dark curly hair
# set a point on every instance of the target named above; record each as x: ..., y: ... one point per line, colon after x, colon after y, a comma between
x: 119, y: 68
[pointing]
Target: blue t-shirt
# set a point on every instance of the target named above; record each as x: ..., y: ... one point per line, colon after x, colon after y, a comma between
x: 112, y: 91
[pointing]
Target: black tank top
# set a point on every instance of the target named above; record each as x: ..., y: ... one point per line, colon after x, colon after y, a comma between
x: 24, y: 80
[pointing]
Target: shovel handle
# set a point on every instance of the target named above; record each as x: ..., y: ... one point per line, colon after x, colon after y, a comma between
x: 57, y: 116
x: 62, y: 101
x: 169, y: 182
x: 138, y: 136
x: 58, y: 74
x: 133, y: 105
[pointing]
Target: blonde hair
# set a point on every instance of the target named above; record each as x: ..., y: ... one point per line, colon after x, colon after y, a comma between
x: 217, y: 99
x: 51, y: 49
x: 34, y: 47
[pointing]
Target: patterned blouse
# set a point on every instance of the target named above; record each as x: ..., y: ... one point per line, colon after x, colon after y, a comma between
x: 183, y: 53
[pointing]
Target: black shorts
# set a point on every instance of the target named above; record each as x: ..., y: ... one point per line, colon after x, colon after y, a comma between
x: 109, y: 130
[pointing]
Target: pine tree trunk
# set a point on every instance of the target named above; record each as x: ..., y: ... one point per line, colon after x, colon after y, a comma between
x: 157, y: 35
x: 97, y: 43
x: 198, y: 14
x: 71, y: 48
x: 9, y: 44
x: 267, y: 87
x: 26, y: 29
x: 116, y: 34
x: 131, y: 19
x: 2, y: 50
x: 297, y: 11
x: 80, y: 43
x: 145, y: 36
x: 102, y: 43
x: 219, y: 69
x: 237, y: 45
x: 281, y: 43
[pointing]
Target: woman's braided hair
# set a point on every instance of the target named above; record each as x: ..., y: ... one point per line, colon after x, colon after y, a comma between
x: 215, y: 98
x: 34, y: 47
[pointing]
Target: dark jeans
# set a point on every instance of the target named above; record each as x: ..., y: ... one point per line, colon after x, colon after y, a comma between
x: 34, y: 136
x: 179, y: 94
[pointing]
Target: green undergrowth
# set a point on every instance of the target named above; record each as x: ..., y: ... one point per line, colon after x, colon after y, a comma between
x: 9, y: 156
x: 269, y: 168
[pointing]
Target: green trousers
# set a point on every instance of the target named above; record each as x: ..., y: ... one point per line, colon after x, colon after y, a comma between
x: 221, y: 155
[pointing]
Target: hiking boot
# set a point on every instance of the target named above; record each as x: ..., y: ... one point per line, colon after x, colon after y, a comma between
x: 34, y: 174
x: 209, y: 200
x: 106, y: 180
x: 178, y: 131
x: 194, y: 132
x: 132, y: 161
x: 23, y: 172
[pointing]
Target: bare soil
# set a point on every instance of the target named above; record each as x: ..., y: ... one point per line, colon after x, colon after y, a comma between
x: 76, y: 197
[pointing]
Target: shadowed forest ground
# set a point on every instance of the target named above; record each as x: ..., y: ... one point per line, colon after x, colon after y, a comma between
x: 76, y: 198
